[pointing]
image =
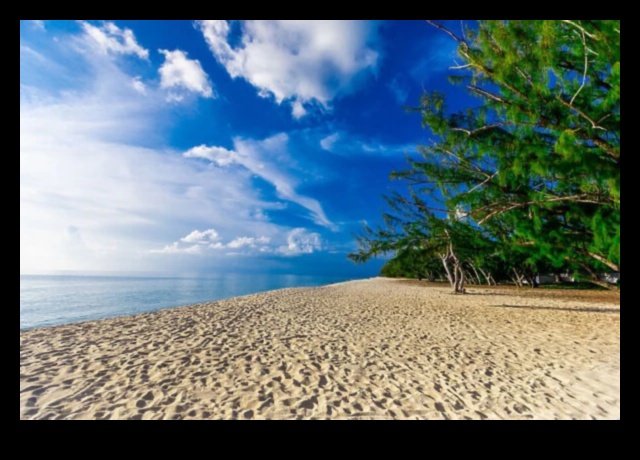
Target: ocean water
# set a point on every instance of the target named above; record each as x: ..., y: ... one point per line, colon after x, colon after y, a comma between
x: 51, y: 300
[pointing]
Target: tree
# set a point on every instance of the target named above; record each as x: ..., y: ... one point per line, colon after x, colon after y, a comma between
x: 541, y: 150
x: 418, y: 238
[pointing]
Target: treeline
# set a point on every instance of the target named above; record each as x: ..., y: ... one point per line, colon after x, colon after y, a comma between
x: 528, y: 180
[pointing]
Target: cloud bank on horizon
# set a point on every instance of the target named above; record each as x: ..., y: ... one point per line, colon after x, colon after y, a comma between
x: 209, y: 142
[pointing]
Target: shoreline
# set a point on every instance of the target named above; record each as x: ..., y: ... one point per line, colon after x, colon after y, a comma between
x: 373, y: 348
x: 610, y: 295
x: 111, y: 309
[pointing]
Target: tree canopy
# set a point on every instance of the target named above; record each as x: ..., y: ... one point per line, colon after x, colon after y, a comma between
x: 533, y: 169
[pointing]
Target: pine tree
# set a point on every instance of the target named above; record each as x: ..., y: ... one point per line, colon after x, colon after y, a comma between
x: 534, y: 168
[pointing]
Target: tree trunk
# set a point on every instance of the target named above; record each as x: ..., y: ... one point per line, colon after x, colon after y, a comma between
x: 487, y: 276
x: 460, y: 279
x: 458, y: 287
x: 470, y: 279
x: 476, y: 272
x: 594, y: 276
x: 445, y: 263
x: 457, y: 278
x: 529, y: 279
x: 518, y: 278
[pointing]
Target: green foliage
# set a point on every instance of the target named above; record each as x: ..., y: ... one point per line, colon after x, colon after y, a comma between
x: 577, y: 286
x: 534, y: 167
x: 412, y: 263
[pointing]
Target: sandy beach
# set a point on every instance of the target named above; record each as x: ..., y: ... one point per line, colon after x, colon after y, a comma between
x: 369, y: 349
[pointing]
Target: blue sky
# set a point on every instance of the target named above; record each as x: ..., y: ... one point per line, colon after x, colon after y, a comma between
x: 190, y: 147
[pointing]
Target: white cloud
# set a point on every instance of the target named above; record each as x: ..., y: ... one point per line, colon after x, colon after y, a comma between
x: 300, y: 241
x: 169, y: 249
x: 99, y: 189
x: 38, y: 24
x: 93, y: 159
x: 298, y: 61
x: 178, y: 71
x: 111, y: 39
x: 205, y: 237
x: 298, y: 110
x: 328, y: 142
x: 247, y: 241
x: 265, y: 159
x: 217, y: 155
x: 199, y: 241
x: 195, y: 249
x: 139, y: 85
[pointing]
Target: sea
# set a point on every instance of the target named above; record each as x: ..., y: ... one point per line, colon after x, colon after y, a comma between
x: 49, y: 300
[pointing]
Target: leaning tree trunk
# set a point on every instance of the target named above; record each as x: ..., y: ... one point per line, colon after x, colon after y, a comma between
x: 519, y: 277
x: 608, y: 263
x: 594, y: 276
x: 468, y: 277
x: 473, y: 267
x: 487, y: 276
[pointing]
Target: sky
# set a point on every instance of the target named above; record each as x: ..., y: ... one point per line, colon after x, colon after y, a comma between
x: 191, y: 147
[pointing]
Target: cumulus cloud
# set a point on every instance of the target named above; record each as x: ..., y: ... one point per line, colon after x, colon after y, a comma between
x: 82, y: 164
x: 300, y: 241
x: 302, y: 62
x: 258, y: 157
x: 197, y: 242
x: 109, y: 38
x: 297, y: 241
x: 180, y: 72
x: 176, y: 248
x: 204, y: 237
x: 96, y: 175
x: 217, y: 155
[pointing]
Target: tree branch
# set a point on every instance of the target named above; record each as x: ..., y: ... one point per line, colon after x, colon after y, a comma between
x: 580, y: 28
x: 484, y: 93
x: 586, y: 66
x: 576, y: 198
x: 448, y: 32
x: 594, y: 125
x: 609, y: 264
x: 477, y: 130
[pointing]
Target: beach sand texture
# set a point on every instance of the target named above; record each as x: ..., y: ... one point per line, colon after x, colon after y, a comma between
x: 370, y: 349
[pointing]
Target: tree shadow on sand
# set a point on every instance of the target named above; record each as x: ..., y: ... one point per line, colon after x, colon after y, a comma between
x: 567, y: 309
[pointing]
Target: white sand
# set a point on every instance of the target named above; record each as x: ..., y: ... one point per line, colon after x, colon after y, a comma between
x: 366, y: 349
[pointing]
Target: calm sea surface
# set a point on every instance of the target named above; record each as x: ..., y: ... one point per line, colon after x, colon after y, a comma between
x: 51, y: 300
